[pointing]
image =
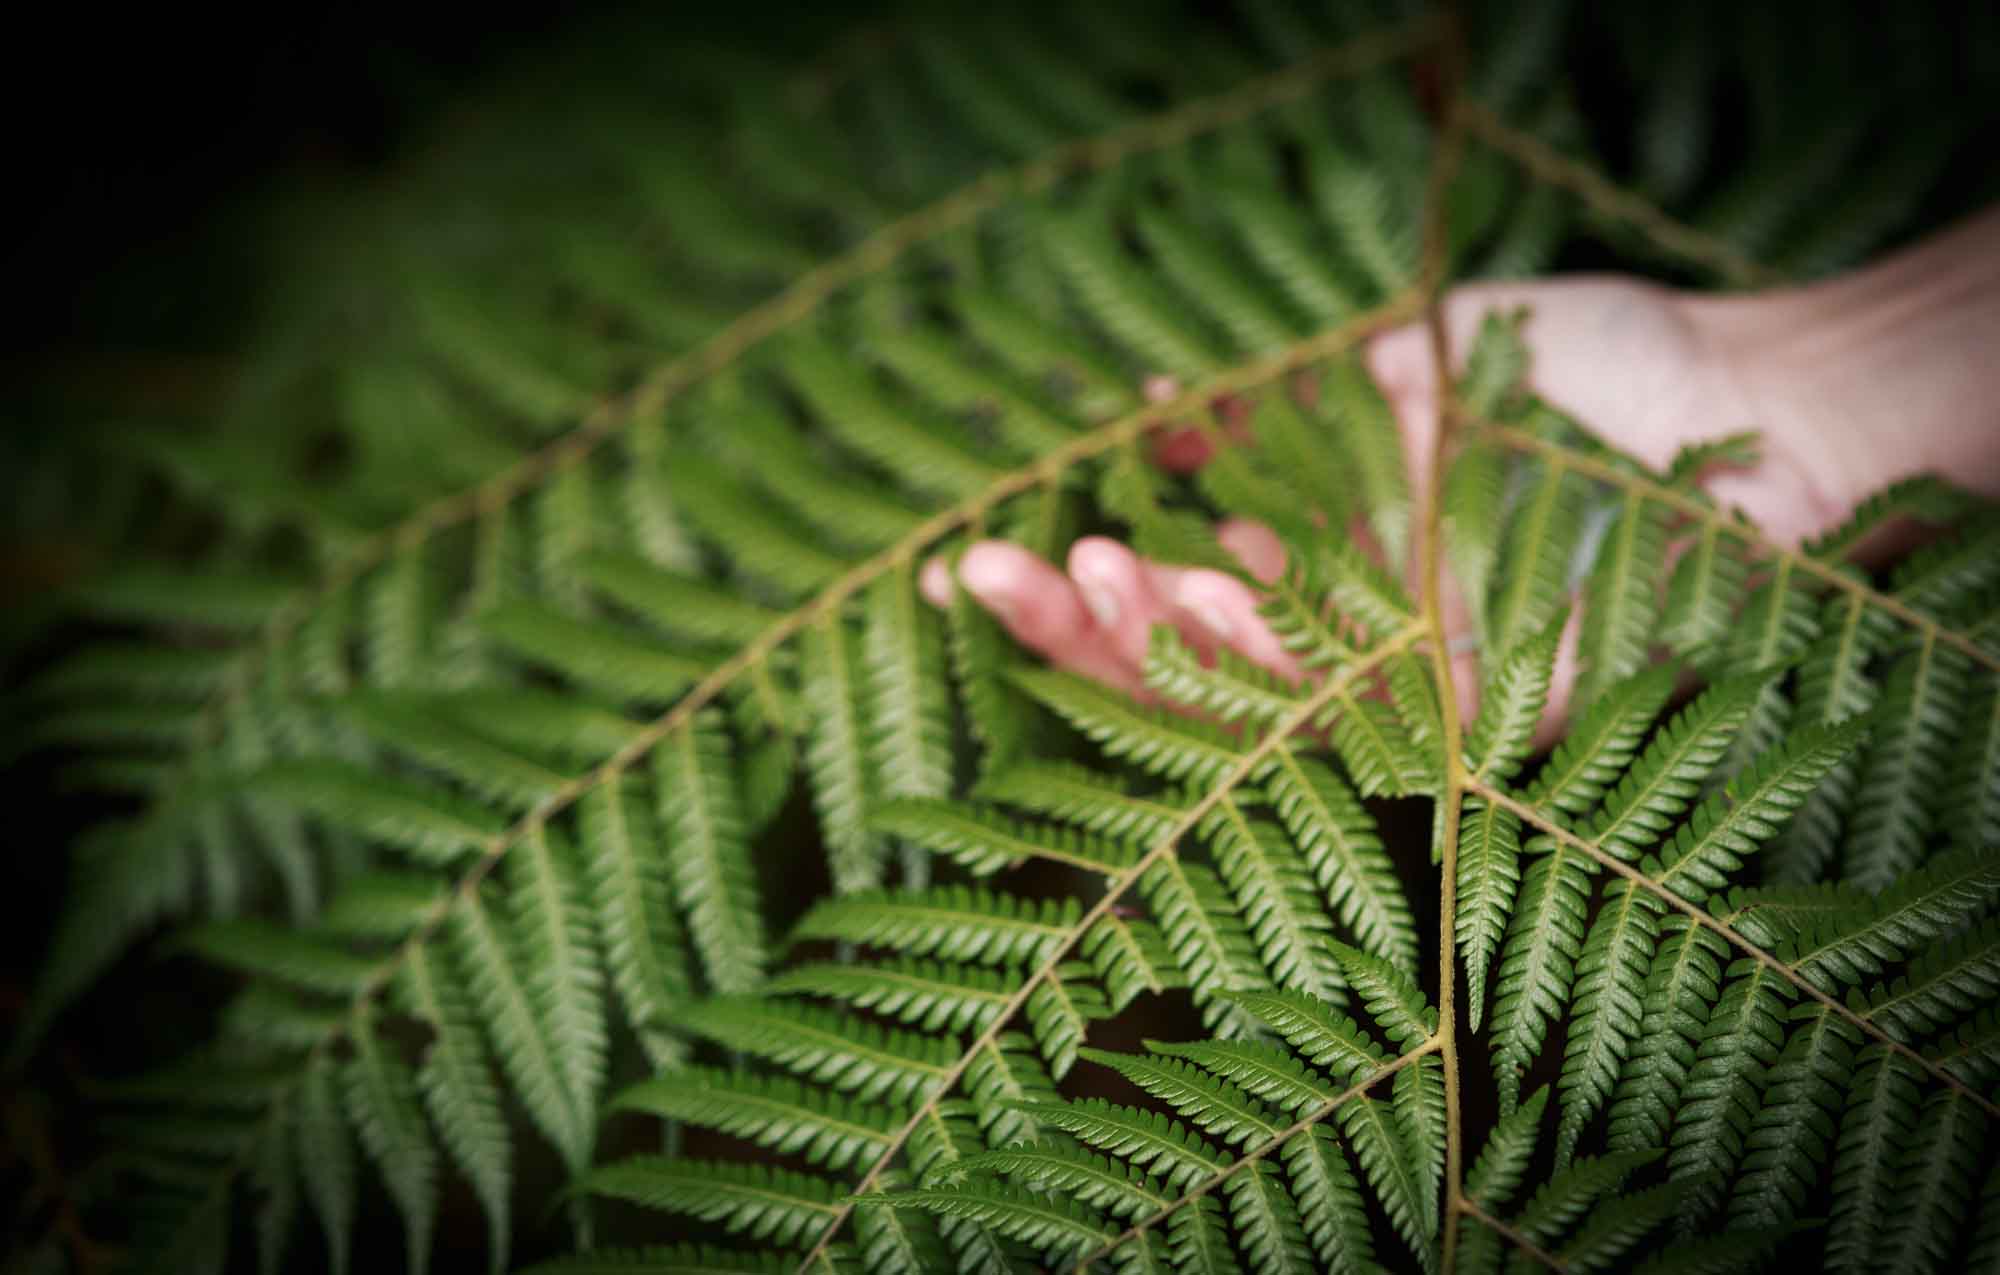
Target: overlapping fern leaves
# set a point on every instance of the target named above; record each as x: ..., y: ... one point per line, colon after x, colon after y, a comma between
x: 516, y: 763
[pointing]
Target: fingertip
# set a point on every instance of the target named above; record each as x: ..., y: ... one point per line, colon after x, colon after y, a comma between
x: 1225, y: 611
x: 934, y: 582
x: 1107, y: 575
x: 995, y: 573
x: 1400, y: 360
x: 1255, y: 545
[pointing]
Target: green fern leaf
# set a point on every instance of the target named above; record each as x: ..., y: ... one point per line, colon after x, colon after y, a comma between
x: 1143, y: 1139
x: 1050, y: 1225
x: 983, y: 842
x: 490, y: 967
x: 1489, y: 851
x: 1795, y: 1120
x: 326, y: 1159
x: 1214, y: 1106
x: 922, y: 993
x: 711, y: 875
x: 1538, y: 960
x: 827, y: 1130
x: 382, y: 1102
x: 765, y: 1204
x: 1378, y: 1144
x: 1339, y: 842
x: 627, y: 882
x: 1611, y: 979
x: 1620, y: 603
x: 1739, y: 1045
x: 435, y: 827
x: 1267, y: 1221
x: 459, y: 1093
x: 870, y: 1062
x: 1073, y: 794
x: 564, y: 978
x: 1171, y: 747
x: 953, y: 922
x: 1090, y: 1180
x: 1329, y: 1201
x: 1270, y: 885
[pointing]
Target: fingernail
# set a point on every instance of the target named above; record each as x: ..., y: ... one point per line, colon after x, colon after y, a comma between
x: 1206, y: 613
x: 1103, y: 603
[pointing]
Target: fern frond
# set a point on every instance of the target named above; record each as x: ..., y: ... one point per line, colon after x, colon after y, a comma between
x: 382, y: 1101
x: 1739, y: 1045
x: 1228, y: 686
x: 1267, y: 1221
x: 983, y: 842
x: 1172, y: 747
x: 1538, y: 960
x: 826, y: 1129
x: 1339, y: 842
x: 1611, y: 975
x: 1329, y: 1200
x: 626, y: 876
x: 1143, y: 1139
x: 1386, y: 1162
x: 436, y: 827
x: 1090, y: 1180
x: 1923, y: 907
x: 1048, y: 1224
x: 1268, y: 881
x: 490, y: 966
x: 711, y: 875
x: 459, y: 1092
x: 1795, y: 1120
x: 870, y: 1062
x: 1620, y: 600
x: 1728, y: 827
x: 953, y: 922
x: 765, y: 1204
x: 908, y: 710
x: 1074, y: 794
x: 564, y: 978
x: 326, y: 1159
x: 1510, y: 705
x: 1209, y: 942
x: 1684, y: 982
x: 928, y: 995
x: 1214, y: 1106
x: 1602, y: 744
x: 1489, y: 851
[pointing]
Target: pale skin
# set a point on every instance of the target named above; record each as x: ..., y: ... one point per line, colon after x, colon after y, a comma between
x: 1853, y: 382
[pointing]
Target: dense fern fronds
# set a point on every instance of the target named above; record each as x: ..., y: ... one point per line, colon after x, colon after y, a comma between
x: 545, y: 715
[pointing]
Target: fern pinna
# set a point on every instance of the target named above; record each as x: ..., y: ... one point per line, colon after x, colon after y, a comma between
x: 511, y: 742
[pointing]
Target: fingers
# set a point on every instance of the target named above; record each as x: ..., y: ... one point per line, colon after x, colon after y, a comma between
x: 1256, y: 546
x: 1097, y: 618
x: 1041, y: 607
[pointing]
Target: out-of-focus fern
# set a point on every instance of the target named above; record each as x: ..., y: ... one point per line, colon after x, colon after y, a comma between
x: 502, y: 712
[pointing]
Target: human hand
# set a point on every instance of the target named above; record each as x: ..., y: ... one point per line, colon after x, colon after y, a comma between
x: 1618, y: 353
x: 1647, y: 368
